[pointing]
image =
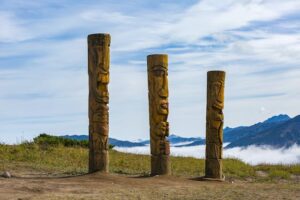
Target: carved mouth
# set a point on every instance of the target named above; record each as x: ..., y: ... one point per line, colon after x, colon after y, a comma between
x: 102, y: 96
x: 103, y: 72
x: 164, y: 105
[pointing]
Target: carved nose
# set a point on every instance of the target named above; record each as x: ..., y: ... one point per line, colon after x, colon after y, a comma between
x: 163, y: 93
x: 103, y: 78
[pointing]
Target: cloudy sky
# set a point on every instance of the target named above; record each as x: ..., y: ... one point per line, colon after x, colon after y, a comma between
x: 43, y: 62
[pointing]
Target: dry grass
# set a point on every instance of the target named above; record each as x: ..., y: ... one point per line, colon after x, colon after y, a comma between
x: 73, y: 161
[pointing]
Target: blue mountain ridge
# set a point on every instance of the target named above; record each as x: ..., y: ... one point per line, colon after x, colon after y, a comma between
x: 277, y: 131
x: 174, y: 139
x: 234, y: 134
x: 282, y: 134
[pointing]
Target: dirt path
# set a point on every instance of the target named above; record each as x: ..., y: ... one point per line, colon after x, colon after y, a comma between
x: 101, y: 186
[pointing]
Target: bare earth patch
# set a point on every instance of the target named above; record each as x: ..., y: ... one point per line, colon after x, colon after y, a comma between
x: 113, y: 186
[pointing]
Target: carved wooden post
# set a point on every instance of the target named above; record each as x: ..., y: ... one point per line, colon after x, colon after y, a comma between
x: 214, y: 124
x: 158, y: 113
x: 98, y: 69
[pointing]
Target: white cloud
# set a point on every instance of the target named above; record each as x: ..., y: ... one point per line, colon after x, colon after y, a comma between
x: 252, y: 155
x: 11, y: 29
x: 258, y: 155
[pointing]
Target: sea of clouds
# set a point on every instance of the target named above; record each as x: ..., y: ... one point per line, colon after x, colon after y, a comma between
x: 252, y: 155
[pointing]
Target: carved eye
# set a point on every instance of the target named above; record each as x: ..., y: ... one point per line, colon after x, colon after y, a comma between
x: 159, y: 72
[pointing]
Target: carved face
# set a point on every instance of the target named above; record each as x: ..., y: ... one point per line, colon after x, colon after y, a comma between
x: 217, y: 105
x: 161, y: 85
x: 100, y: 114
x: 100, y: 74
x: 102, y: 81
x: 102, y: 64
x: 218, y: 95
x: 162, y: 129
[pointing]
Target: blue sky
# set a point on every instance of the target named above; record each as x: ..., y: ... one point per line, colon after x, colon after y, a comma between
x: 43, y: 62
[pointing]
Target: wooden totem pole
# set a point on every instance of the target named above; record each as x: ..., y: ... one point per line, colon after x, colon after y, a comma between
x: 158, y: 93
x: 214, y: 125
x: 98, y: 70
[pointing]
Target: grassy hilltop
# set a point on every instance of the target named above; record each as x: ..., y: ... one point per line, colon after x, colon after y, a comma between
x: 53, y: 155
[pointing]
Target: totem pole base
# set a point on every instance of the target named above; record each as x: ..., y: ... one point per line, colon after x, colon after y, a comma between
x: 160, y: 165
x: 203, y: 178
x: 101, y: 164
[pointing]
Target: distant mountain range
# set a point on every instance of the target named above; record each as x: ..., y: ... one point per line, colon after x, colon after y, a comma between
x: 234, y: 134
x: 174, y: 140
x: 277, y: 131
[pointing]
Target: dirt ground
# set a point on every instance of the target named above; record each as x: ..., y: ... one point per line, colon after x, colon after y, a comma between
x: 114, y: 186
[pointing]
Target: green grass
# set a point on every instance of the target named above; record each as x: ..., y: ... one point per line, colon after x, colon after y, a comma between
x: 279, y: 174
x: 291, y: 169
x: 59, y: 159
x: 50, y: 140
